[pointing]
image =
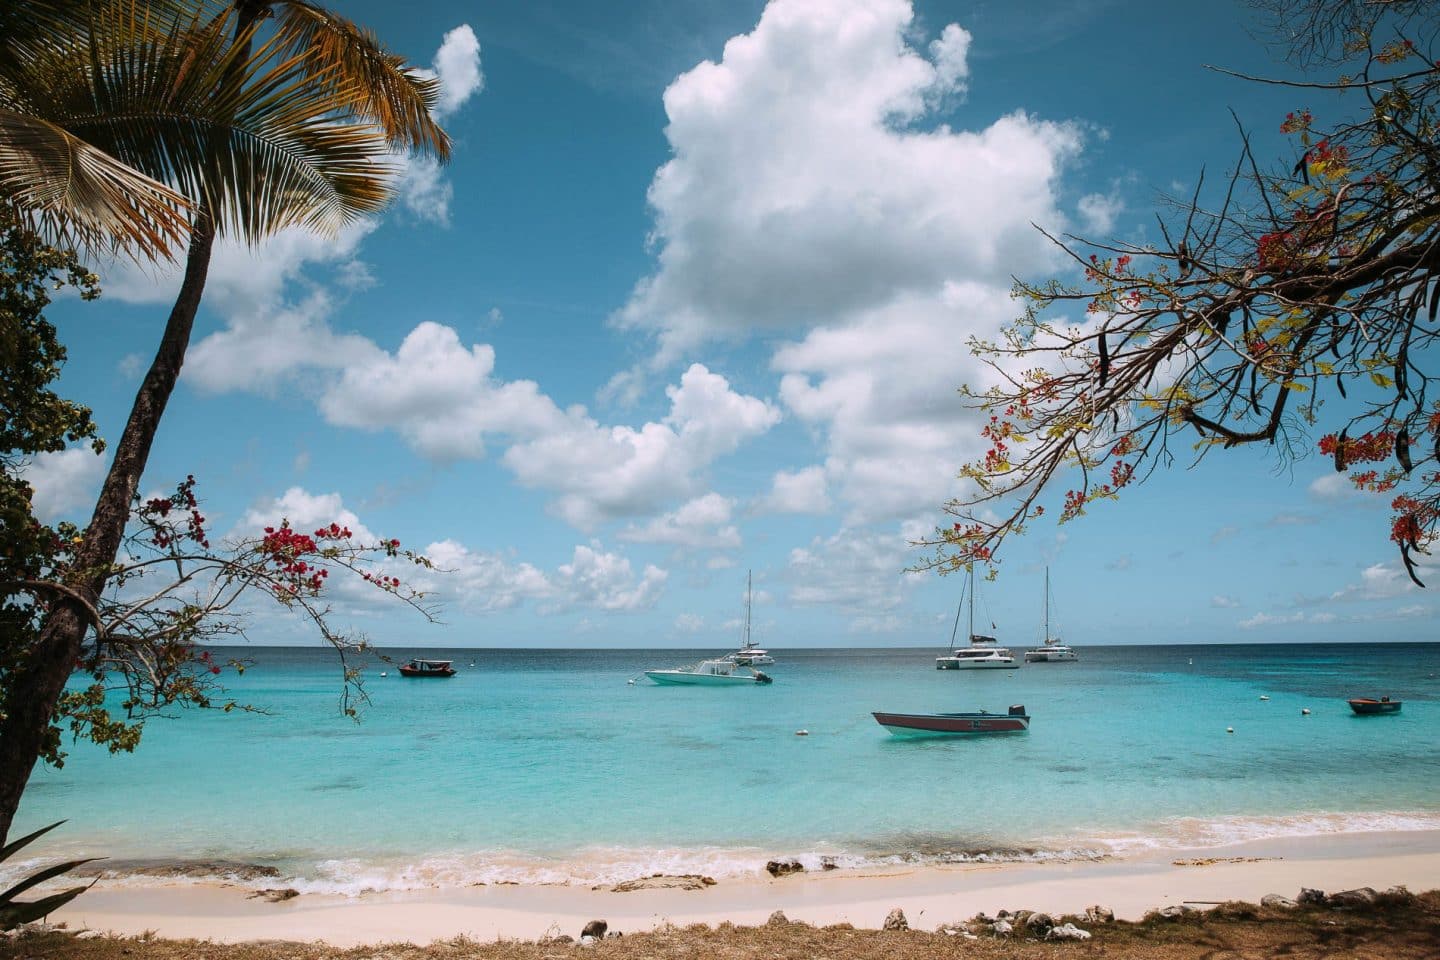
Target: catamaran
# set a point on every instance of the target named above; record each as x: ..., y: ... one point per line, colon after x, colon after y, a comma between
x: 1052, y: 650
x: 984, y: 653
x: 749, y: 654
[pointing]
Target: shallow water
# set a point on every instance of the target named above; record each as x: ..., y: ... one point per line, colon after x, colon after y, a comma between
x: 546, y: 766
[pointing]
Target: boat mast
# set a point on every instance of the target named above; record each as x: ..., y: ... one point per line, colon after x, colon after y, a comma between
x: 748, y: 575
x: 971, y: 579
x: 1047, y: 605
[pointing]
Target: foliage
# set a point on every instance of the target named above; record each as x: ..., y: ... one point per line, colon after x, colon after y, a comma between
x: 1298, y: 311
x: 33, y: 420
x: 14, y: 912
x: 122, y: 120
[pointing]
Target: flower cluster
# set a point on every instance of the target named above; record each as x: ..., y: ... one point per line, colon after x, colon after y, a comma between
x: 1368, y: 448
x: 166, y: 531
x: 1297, y: 122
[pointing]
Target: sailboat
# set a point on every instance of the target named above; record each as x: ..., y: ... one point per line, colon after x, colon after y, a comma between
x: 1052, y: 650
x: 983, y: 653
x: 749, y: 653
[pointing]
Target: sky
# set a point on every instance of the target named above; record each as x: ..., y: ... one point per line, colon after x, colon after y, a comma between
x: 692, y: 299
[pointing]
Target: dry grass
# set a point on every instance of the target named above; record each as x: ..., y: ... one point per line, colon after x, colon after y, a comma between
x: 1404, y: 929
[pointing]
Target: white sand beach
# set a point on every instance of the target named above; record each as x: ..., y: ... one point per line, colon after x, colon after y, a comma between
x: 929, y: 895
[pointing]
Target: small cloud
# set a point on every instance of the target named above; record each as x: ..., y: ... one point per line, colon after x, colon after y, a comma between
x: 1224, y: 602
x: 1099, y: 211
x: 64, y: 481
x: 457, y: 64
x: 689, y: 623
x: 1119, y: 563
x: 803, y: 491
x: 1224, y: 533
x: 1291, y: 520
x: 131, y: 366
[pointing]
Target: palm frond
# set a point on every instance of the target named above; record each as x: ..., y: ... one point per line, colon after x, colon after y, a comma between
x: 81, y: 196
x: 374, y: 83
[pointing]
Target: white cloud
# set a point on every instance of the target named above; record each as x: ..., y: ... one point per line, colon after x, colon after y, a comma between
x: 65, y: 481
x: 804, y: 184
x: 605, y: 581
x: 1224, y: 602
x: 811, y: 190
x: 1335, y: 487
x: 482, y: 582
x: 1099, y: 211
x: 858, y: 573
x: 609, y: 472
x: 305, y: 512
x: 701, y: 523
x: 689, y: 623
x: 457, y: 64
x: 803, y: 491
x: 425, y: 191
x: 1383, y: 581
x: 439, y: 395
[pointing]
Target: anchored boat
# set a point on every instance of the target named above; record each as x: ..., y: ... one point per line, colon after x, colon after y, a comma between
x: 984, y: 653
x: 1365, y: 706
x: 427, y: 668
x: 716, y: 672
x: 1016, y: 720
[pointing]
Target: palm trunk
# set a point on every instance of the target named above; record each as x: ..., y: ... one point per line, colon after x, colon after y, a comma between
x: 36, y: 687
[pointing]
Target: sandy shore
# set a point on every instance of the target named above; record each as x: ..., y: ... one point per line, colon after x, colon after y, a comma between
x: 929, y: 895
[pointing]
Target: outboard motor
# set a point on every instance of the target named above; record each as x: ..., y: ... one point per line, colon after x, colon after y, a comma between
x: 1017, y: 710
x: 761, y: 677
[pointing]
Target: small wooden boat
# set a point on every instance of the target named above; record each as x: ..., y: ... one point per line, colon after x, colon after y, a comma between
x: 427, y: 668
x: 1016, y: 720
x: 1365, y: 706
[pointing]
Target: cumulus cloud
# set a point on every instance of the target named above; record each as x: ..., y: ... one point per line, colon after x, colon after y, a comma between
x: 457, y: 64
x: 812, y: 190
x: 604, y: 581
x: 439, y: 395
x: 1383, y: 581
x: 305, y: 511
x: 65, y: 481
x: 701, y: 523
x: 605, y: 473
x: 1099, y: 211
x: 801, y: 491
x: 482, y: 582
x: 858, y: 573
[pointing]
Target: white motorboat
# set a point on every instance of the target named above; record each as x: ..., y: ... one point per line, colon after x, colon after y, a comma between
x: 1051, y: 650
x: 716, y: 672
x: 983, y: 653
x: 749, y: 654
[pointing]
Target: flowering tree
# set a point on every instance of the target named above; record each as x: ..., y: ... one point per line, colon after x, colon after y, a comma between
x: 1298, y: 310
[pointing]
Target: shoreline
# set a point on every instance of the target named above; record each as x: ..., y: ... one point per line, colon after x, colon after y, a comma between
x: 929, y: 895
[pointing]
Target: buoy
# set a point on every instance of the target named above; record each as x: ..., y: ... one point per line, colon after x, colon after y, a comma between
x: 1229, y: 729
x: 631, y: 682
x: 802, y: 733
x: 1304, y: 711
x: 1263, y: 697
x: 384, y: 674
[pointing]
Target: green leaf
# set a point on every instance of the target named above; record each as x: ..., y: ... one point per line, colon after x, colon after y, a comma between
x: 1381, y: 380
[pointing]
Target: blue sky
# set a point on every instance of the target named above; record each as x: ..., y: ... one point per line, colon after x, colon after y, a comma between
x: 692, y: 298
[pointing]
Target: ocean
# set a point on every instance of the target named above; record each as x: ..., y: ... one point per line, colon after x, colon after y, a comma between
x: 547, y: 766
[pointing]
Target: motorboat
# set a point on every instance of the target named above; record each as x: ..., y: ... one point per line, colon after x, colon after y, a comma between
x: 427, y: 668
x: 1015, y: 720
x: 984, y: 652
x: 1051, y: 650
x: 715, y: 672
x: 749, y: 654
x: 1366, y: 706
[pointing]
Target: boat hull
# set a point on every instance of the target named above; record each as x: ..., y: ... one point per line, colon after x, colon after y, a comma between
x: 951, y: 724
x: 684, y: 678
x: 1366, y: 707
x: 951, y: 663
x: 419, y: 674
x: 1047, y: 656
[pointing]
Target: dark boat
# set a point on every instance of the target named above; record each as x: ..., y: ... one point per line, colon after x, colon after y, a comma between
x: 1365, y: 706
x: 954, y: 724
x: 427, y: 668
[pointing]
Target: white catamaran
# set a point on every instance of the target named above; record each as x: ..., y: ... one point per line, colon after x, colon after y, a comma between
x: 1051, y: 650
x: 749, y: 654
x: 984, y: 653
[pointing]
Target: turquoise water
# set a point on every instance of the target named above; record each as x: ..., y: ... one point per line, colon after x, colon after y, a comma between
x: 546, y: 765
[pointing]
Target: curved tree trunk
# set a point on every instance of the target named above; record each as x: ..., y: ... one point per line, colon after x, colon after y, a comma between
x: 37, y: 686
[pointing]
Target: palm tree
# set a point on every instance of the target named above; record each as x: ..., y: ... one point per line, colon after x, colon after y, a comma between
x: 258, y: 115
